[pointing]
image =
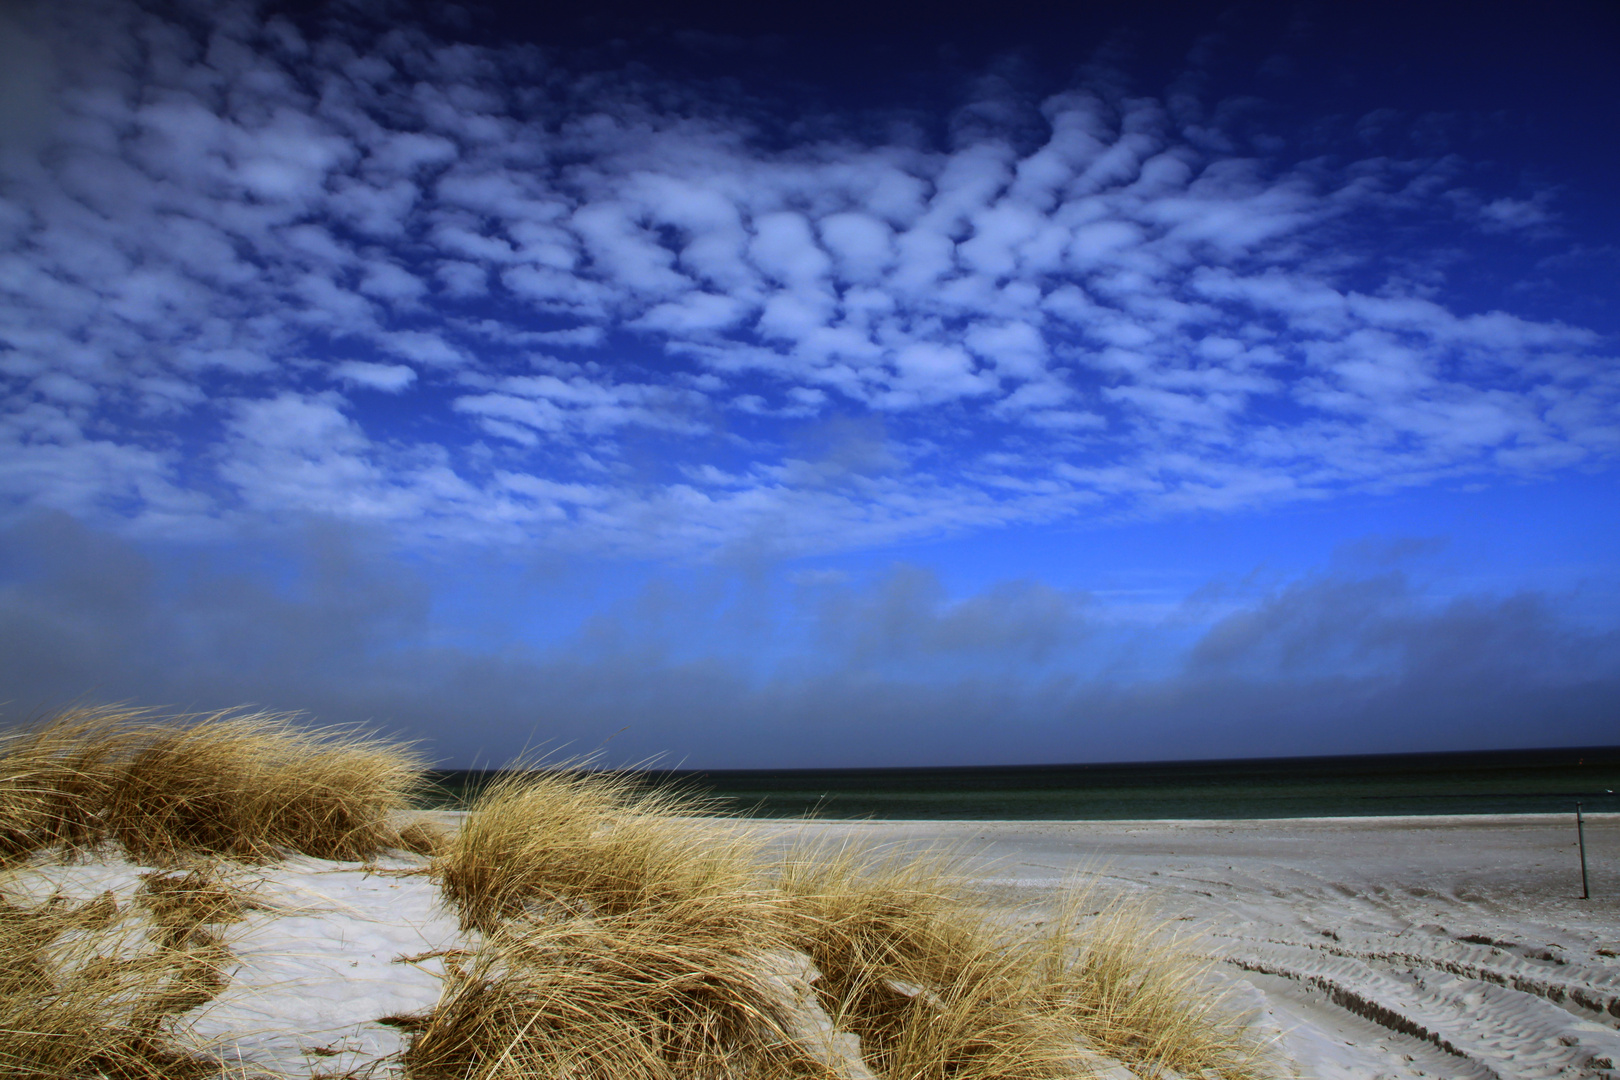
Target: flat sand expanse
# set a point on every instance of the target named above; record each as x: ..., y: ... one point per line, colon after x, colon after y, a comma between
x: 1367, y: 947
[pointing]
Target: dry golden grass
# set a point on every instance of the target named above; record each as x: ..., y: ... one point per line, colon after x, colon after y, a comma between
x: 625, y: 934
x: 918, y: 972
x: 242, y: 784
x: 614, y: 998
x: 1122, y: 979
x: 180, y: 900
x: 936, y: 988
x: 56, y: 778
x: 581, y: 842
x: 625, y: 939
x: 85, y: 992
x: 250, y: 785
x: 570, y: 871
x: 423, y: 836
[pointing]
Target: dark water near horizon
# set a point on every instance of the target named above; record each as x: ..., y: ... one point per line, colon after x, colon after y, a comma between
x: 1474, y: 782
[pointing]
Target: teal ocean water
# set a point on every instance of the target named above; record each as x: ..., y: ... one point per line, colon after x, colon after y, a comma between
x: 1486, y: 782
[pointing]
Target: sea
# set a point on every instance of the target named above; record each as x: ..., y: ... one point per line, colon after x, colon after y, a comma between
x: 1475, y: 782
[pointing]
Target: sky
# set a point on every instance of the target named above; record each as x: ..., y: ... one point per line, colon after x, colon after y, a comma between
x: 730, y: 386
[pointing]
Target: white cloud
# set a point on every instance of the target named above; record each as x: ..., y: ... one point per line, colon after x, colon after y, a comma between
x: 863, y: 245
x: 577, y: 404
x: 624, y: 253
x: 784, y: 248
x: 1017, y: 349
x: 929, y: 373
x: 694, y: 314
x: 581, y: 337
x: 389, y: 378
x: 1516, y: 215
x: 422, y: 347
x: 462, y: 279
x: 215, y: 235
x: 389, y: 281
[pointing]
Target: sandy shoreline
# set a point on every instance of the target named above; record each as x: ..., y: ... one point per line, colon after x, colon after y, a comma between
x: 1393, y: 947
x: 1363, y: 947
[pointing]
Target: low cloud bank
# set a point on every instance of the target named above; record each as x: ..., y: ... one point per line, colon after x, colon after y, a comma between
x: 753, y: 672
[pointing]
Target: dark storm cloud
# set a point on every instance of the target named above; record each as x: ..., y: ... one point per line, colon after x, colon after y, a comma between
x: 898, y: 673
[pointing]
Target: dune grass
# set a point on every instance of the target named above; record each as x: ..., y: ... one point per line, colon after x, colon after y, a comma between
x: 423, y: 836
x: 595, y: 843
x: 918, y: 972
x: 249, y: 785
x: 1121, y: 978
x: 627, y: 997
x: 624, y: 938
x: 57, y: 778
x: 565, y: 867
x: 177, y: 901
x: 241, y: 784
x: 935, y: 986
x: 86, y: 990
x: 621, y: 933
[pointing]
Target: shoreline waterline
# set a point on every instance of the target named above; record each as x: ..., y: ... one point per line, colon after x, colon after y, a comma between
x: 1387, y: 821
x: 1419, y: 785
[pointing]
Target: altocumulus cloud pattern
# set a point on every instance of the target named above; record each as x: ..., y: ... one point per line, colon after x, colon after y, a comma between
x: 465, y: 293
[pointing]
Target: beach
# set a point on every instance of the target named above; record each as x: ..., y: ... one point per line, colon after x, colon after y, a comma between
x: 1364, y: 947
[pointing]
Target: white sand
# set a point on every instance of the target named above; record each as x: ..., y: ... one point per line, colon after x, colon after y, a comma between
x: 317, y: 963
x: 1368, y: 948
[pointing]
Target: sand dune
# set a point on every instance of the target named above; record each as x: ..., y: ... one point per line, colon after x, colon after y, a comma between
x: 1369, y: 947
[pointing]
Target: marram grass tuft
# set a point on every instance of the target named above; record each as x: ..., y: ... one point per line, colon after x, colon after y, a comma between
x: 246, y: 785
x: 249, y: 785
x: 57, y: 778
x: 918, y: 972
x: 575, y: 841
x: 935, y: 986
x: 613, y: 998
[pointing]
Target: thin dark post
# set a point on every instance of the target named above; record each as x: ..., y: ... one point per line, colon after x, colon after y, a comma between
x: 1580, y: 837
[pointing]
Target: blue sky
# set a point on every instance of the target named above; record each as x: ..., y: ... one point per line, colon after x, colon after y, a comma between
x: 775, y: 389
